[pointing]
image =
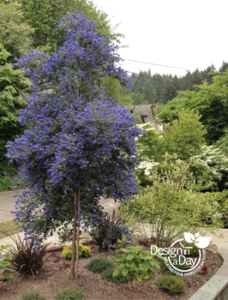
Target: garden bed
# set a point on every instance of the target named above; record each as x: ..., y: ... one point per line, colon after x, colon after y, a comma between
x: 53, y: 280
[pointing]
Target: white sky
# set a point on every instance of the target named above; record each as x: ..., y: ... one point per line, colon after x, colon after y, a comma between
x: 188, y: 34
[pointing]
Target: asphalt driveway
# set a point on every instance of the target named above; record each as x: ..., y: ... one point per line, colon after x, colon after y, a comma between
x: 7, y: 203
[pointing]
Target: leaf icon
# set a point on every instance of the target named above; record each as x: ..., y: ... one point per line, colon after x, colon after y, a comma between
x: 202, y: 242
x: 189, y: 238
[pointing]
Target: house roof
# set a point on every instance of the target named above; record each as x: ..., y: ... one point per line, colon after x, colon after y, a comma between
x: 144, y: 109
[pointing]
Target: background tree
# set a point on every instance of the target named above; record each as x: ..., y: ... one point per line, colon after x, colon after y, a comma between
x: 79, y: 145
x: 211, y: 102
x: 12, y: 85
x: 14, y: 34
x: 184, y: 137
x: 44, y: 16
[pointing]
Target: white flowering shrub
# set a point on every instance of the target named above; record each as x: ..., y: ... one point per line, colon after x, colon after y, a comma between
x: 173, y: 205
x: 212, y: 161
x: 208, y: 165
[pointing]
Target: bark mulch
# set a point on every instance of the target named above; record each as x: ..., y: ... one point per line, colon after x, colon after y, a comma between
x: 51, y: 281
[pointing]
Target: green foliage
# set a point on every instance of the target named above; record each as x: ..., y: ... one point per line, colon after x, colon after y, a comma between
x: 4, y: 264
x: 222, y: 143
x: 99, y: 264
x: 7, y: 181
x: 194, y: 252
x: 15, y: 35
x: 210, y: 101
x: 107, y: 275
x: 32, y: 295
x: 163, y: 88
x: 69, y: 294
x: 49, y: 12
x: 173, y: 204
x: 137, y: 263
x: 184, y: 137
x: 84, y: 251
x: 171, y: 283
x: 222, y: 200
x: 12, y: 85
x: 113, y: 87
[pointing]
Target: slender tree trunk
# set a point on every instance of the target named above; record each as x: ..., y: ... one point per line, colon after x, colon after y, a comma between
x: 131, y: 282
x: 78, y: 235
x: 72, y: 265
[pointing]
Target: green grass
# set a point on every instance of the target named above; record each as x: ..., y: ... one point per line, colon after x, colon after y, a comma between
x: 8, y: 228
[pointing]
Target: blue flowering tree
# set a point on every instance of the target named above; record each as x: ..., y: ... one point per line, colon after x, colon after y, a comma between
x: 79, y: 144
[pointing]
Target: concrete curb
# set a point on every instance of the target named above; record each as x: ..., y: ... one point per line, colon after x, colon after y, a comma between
x: 215, y: 288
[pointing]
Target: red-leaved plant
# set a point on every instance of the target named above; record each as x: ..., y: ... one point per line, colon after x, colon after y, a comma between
x: 204, y: 270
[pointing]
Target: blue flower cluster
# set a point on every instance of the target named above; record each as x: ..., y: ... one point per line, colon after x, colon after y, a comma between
x: 76, y: 137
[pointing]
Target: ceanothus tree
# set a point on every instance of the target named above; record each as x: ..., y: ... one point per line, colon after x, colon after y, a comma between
x: 79, y: 145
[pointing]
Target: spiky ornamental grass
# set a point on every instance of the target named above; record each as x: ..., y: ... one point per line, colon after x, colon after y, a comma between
x: 78, y: 144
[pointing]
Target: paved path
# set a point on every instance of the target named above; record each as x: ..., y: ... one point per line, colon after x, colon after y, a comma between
x: 7, y: 204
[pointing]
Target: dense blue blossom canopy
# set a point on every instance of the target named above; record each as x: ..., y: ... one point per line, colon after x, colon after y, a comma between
x: 75, y: 136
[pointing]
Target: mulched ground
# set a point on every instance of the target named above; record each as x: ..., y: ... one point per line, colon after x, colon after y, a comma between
x: 53, y: 280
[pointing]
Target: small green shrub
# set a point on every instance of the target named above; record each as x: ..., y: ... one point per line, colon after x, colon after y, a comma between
x: 137, y: 263
x: 4, y: 264
x: 84, y: 251
x: 99, y: 264
x: 194, y: 251
x: 69, y: 294
x: 32, y: 295
x: 108, y: 276
x: 171, y: 283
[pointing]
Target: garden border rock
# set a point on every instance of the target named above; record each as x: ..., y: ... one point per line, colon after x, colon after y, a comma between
x: 216, y: 288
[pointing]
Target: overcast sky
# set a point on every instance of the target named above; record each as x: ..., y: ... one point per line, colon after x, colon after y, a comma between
x: 179, y: 33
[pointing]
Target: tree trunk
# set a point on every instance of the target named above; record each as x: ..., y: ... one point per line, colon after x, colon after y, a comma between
x: 78, y: 235
x: 131, y: 284
x: 72, y: 265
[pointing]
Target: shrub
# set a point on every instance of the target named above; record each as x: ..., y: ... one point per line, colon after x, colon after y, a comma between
x: 32, y: 295
x: 108, y: 230
x: 171, y: 283
x: 4, y: 264
x: 173, y: 205
x: 108, y: 276
x: 194, y: 251
x: 84, y: 251
x: 69, y: 294
x: 99, y: 264
x: 137, y: 263
x: 25, y: 259
x: 222, y: 199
